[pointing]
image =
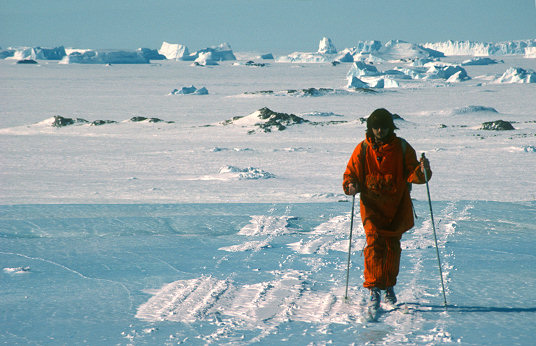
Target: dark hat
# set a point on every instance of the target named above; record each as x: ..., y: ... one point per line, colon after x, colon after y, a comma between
x: 380, y: 118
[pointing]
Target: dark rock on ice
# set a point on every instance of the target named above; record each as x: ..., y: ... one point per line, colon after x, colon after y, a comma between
x: 474, y: 109
x: 497, y: 125
x: 267, y: 120
x: 60, y: 121
x: 138, y: 119
x: 316, y: 92
x: 278, y: 121
x: 102, y: 122
x: 253, y: 63
x: 27, y: 61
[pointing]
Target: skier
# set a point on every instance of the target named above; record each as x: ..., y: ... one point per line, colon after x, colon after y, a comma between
x: 381, y: 169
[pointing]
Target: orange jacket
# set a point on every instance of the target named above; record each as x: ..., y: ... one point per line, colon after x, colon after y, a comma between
x: 382, y: 179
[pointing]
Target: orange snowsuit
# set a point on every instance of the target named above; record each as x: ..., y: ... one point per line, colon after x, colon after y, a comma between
x: 382, y: 174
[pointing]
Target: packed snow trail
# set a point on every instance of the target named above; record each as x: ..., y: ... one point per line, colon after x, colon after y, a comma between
x: 250, y: 273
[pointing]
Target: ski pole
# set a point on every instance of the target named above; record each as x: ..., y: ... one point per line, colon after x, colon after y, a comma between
x: 349, y: 247
x: 435, y: 236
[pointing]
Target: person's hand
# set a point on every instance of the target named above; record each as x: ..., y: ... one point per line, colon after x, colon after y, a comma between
x: 352, y: 189
x: 425, y: 164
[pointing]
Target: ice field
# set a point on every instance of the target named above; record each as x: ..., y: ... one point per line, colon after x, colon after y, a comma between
x: 198, y: 229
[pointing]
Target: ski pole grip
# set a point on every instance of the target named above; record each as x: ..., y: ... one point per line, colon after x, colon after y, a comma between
x: 424, y: 171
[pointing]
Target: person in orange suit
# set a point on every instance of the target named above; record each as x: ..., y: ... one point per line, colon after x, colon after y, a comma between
x: 382, y: 168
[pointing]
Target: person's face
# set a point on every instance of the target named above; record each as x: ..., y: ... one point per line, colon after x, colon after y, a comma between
x: 381, y: 133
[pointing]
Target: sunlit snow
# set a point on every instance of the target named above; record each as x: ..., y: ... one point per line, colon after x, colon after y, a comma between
x: 130, y: 214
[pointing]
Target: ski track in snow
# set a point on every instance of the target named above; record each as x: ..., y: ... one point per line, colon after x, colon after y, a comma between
x: 415, y: 291
x: 291, y: 296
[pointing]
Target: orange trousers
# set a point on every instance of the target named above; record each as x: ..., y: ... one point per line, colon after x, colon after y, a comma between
x: 382, y: 261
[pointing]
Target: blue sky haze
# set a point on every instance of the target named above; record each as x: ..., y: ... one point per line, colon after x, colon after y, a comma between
x: 259, y: 25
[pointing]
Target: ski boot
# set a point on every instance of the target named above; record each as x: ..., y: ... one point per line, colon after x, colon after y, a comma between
x: 390, y: 297
x: 374, y: 302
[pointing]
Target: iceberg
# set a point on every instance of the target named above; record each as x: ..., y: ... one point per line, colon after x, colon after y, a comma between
x: 38, y: 53
x: 401, y: 50
x: 369, y: 51
x: 267, y: 56
x: 346, y: 55
x: 151, y: 54
x: 306, y: 57
x: 384, y: 83
x: 326, y: 46
x: 368, y: 46
x: 360, y: 69
x: 190, y: 90
x: 530, y: 52
x: 479, y: 61
x: 354, y: 82
x: 481, y: 48
x: 443, y: 71
x: 326, y: 53
x: 105, y: 57
x: 222, y: 52
x: 173, y: 51
x: 6, y: 53
x: 206, y: 58
x: 517, y: 75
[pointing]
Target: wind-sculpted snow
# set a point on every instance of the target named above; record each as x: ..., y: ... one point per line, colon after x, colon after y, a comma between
x: 264, y: 305
x: 185, y: 301
x: 227, y: 173
x: 473, y: 109
x: 267, y: 226
x: 331, y: 236
x: 237, y: 274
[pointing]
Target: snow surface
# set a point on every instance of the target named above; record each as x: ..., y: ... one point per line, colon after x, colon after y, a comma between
x: 188, y: 231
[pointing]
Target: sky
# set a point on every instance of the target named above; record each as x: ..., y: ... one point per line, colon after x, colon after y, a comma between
x: 276, y: 26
